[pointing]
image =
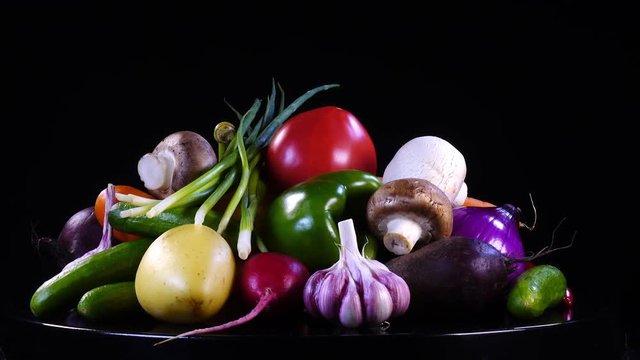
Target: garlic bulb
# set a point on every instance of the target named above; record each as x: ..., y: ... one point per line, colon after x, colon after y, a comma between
x: 355, y: 291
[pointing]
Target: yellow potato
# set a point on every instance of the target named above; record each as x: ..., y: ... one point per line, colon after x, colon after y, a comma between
x: 186, y: 275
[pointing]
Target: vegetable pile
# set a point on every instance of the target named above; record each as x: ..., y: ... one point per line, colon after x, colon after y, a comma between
x: 284, y: 213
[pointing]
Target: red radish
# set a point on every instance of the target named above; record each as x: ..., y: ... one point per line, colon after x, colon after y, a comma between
x: 273, y: 276
x: 270, y: 282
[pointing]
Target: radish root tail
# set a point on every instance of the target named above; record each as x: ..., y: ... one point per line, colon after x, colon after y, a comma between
x: 260, y: 306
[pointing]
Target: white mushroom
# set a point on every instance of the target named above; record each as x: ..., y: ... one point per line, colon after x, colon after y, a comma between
x: 177, y: 160
x: 433, y: 159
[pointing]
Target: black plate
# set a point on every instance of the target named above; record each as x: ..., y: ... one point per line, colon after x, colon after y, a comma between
x: 559, y: 333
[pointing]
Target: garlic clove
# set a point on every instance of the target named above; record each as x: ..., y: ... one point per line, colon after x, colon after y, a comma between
x: 397, y: 287
x: 378, y: 303
x: 328, y: 294
x: 310, y: 292
x: 350, y: 313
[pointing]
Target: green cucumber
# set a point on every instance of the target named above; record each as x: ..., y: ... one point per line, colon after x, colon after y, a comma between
x: 536, y: 290
x: 62, y: 292
x: 168, y: 219
x: 110, y: 301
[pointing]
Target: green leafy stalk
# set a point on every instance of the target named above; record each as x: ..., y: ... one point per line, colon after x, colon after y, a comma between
x: 269, y: 113
x: 270, y: 110
x: 238, y: 115
x: 253, y: 133
x: 268, y: 132
x: 282, y: 103
x: 243, y: 127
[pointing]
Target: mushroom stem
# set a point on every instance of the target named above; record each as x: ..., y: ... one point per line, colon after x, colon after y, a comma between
x: 156, y: 171
x: 402, y: 234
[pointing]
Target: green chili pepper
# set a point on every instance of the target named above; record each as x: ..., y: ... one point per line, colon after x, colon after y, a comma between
x: 302, y: 221
x: 536, y: 290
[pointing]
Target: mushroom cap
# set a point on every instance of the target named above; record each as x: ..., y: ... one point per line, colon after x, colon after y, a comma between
x: 412, y: 198
x: 192, y: 155
x: 431, y: 158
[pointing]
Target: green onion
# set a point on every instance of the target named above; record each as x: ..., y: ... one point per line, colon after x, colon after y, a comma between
x: 239, y: 152
x: 135, y: 199
x: 250, y: 200
x: 215, y: 196
x: 246, y: 172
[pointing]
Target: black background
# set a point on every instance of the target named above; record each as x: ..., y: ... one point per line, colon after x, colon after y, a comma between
x: 532, y: 93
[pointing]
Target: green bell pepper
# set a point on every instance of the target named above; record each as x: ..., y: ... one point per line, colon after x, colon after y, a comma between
x: 302, y: 221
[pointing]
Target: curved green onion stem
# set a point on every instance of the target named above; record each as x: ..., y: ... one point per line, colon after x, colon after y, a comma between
x: 223, y: 133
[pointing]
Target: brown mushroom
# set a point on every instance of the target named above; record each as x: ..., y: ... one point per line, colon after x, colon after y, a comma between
x: 176, y: 161
x: 405, y: 211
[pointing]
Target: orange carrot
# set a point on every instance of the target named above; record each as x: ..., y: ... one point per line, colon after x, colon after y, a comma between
x: 469, y: 201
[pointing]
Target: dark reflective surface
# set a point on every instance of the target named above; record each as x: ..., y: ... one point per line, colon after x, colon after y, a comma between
x: 558, y: 333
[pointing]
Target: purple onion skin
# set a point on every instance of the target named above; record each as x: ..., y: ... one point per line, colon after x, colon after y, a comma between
x: 498, y: 226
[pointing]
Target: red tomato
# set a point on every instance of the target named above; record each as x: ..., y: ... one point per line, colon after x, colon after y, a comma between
x: 319, y: 141
x: 99, y: 209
